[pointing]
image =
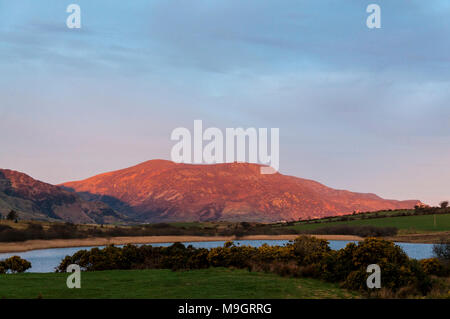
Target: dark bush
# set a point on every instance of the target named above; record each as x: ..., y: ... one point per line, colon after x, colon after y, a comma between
x: 442, y: 251
x: 362, y: 231
x: 35, y: 231
x: 11, y: 235
x: 62, y: 231
x: 5, y: 227
x: 14, y: 264
x: 397, y: 270
x: 309, y: 250
x: 432, y: 266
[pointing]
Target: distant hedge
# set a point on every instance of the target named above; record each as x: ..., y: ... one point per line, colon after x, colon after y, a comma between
x: 35, y: 230
x: 71, y: 231
x: 362, y: 231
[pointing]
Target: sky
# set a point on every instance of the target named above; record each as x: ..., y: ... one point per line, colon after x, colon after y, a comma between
x: 360, y: 109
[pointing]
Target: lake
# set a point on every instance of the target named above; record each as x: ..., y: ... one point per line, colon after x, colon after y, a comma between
x: 45, y: 260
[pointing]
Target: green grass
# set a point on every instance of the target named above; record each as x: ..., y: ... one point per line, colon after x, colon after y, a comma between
x: 421, y: 223
x: 161, y: 283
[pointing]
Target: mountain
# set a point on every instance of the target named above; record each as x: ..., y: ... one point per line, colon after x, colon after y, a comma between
x: 159, y: 190
x: 33, y: 199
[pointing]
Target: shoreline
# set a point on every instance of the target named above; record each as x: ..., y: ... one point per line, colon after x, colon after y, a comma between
x: 100, y: 241
x: 9, y: 247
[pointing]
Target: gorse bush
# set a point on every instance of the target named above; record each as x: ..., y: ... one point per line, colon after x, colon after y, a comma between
x: 14, y: 264
x: 433, y: 266
x: 305, y: 256
x: 267, y: 253
x: 231, y: 256
x: 348, y: 265
x: 308, y: 250
x: 397, y: 269
x: 174, y: 257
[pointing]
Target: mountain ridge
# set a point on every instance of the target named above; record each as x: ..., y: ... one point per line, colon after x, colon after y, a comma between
x: 33, y: 199
x: 164, y: 191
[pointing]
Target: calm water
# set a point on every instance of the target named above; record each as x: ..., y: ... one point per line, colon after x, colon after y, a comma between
x: 45, y: 260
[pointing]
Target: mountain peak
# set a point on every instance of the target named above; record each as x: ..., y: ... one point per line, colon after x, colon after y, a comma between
x: 160, y: 190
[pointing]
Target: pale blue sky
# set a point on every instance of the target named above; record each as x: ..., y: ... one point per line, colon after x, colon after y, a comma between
x: 365, y: 110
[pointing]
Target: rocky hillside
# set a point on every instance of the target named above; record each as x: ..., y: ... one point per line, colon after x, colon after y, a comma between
x: 33, y: 199
x: 160, y: 190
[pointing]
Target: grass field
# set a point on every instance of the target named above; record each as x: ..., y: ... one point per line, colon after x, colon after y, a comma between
x: 405, y: 224
x: 161, y: 283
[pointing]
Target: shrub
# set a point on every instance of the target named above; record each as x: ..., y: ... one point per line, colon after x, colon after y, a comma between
x: 356, y: 280
x: 432, y: 266
x: 63, y: 231
x: 231, y: 256
x: 80, y: 258
x: 377, y: 251
x: 15, y: 264
x: 34, y: 231
x: 442, y: 251
x: 268, y: 253
x: 309, y: 250
x: 311, y: 270
x: 199, y: 260
x: 397, y: 270
x: 327, y: 267
x: 8, y: 234
x: 392, y: 278
x: 285, y: 269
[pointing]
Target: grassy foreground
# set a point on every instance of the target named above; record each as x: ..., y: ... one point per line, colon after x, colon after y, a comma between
x: 162, y: 283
